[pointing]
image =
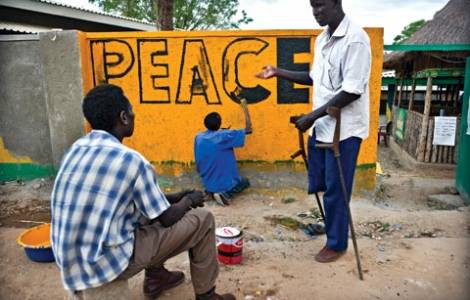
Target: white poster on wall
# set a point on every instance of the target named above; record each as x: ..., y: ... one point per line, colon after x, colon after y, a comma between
x: 444, y: 131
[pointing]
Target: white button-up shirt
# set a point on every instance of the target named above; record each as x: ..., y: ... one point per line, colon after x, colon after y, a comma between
x: 342, y: 63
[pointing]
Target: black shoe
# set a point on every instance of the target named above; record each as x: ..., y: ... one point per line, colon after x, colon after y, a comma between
x: 212, y: 295
x: 159, y: 280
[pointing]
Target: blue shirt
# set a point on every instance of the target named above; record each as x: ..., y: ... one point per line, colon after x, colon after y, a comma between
x: 100, y: 191
x: 215, y: 159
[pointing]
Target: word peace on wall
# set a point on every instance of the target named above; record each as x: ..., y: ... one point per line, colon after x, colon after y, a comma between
x: 177, y: 70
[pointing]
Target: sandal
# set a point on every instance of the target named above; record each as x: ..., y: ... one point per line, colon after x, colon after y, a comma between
x: 313, y: 230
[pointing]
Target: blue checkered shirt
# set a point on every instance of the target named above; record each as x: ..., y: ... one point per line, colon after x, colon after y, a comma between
x: 100, y: 191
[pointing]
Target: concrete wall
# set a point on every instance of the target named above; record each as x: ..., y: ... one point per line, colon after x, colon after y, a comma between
x: 61, y: 60
x: 23, y: 115
x: 173, y: 79
x: 40, y: 96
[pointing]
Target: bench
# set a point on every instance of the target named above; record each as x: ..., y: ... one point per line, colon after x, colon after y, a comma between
x: 115, y: 290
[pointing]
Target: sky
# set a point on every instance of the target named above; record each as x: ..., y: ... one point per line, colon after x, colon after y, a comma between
x: 392, y: 15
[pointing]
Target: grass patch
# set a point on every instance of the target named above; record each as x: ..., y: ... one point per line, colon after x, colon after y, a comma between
x: 287, y: 222
x: 288, y: 200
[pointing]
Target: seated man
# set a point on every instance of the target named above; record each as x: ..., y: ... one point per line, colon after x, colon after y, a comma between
x: 110, y: 219
x: 215, y: 158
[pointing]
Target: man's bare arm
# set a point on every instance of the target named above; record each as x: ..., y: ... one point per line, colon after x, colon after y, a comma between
x: 177, y: 210
x: 341, y: 100
x: 176, y: 197
x: 297, y: 77
x: 246, y: 112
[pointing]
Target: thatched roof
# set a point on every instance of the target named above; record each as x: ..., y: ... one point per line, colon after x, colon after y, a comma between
x: 450, y: 25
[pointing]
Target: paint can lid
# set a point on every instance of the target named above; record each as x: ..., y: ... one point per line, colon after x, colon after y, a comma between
x: 227, y: 232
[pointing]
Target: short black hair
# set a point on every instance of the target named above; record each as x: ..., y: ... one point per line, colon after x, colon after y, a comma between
x: 103, y: 104
x: 213, y: 121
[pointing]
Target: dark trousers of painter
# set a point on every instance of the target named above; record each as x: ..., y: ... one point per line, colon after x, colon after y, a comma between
x: 195, y: 233
x: 323, y: 176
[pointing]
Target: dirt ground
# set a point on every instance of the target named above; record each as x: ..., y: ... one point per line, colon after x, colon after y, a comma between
x: 410, y: 248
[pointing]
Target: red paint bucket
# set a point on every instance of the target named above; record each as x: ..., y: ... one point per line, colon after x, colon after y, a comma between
x: 229, y: 245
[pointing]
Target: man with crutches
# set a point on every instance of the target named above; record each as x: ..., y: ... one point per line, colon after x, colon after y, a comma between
x: 340, y: 75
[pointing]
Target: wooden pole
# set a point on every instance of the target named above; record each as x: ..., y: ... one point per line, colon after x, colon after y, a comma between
x: 434, y: 154
x: 395, y: 95
x: 427, y: 156
x: 400, y: 93
x: 425, y: 123
x: 394, y: 109
x: 440, y: 153
x: 412, y: 95
x: 444, y: 155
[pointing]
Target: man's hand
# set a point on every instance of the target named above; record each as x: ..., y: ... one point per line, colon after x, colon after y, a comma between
x: 294, y: 119
x: 304, y: 122
x: 268, y: 72
x: 196, y: 198
x: 176, y: 197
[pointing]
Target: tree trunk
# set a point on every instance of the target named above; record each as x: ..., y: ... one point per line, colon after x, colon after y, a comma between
x: 164, y: 14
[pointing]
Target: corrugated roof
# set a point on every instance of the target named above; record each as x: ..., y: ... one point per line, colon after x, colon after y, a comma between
x: 53, y: 8
x: 97, y: 11
x: 21, y: 28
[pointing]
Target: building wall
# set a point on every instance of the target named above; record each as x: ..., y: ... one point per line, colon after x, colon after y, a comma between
x: 173, y: 79
x: 463, y: 166
x: 24, y: 131
x: 40, y: 93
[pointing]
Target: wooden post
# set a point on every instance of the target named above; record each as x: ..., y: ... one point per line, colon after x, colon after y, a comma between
x: 434, y: 154
x: 445, y: 153
x: 394, y: 109
x: 440, y: 152
x: 395, y: 94
x: 412, y: 95
x: 424, y: 125
x: 427, y: 156
x: 400, y: 92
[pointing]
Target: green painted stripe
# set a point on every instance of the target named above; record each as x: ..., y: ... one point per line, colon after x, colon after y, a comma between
x: 366, y: 166
x: 420, y: 82
x: 428, y: 47
x: 439, y: 73
x: 25, y: 171
x: 257, y: 162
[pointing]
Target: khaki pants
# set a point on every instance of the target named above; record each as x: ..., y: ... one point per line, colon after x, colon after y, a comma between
x: 195, y: 233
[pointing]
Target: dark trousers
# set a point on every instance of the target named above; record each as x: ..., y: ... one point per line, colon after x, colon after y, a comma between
x: 323, y: 176
x: 195, y: 233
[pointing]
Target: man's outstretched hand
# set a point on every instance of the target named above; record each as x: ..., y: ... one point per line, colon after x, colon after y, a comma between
x: 268, y: 72
x: 196, y: 198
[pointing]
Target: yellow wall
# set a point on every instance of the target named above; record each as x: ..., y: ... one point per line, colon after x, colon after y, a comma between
x: 165, y: 128
x: 8, y: 157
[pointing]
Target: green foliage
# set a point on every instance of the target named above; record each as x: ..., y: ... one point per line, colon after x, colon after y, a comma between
x: 408, y: 31
x: 138, y: 9
x: 188, y: 14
